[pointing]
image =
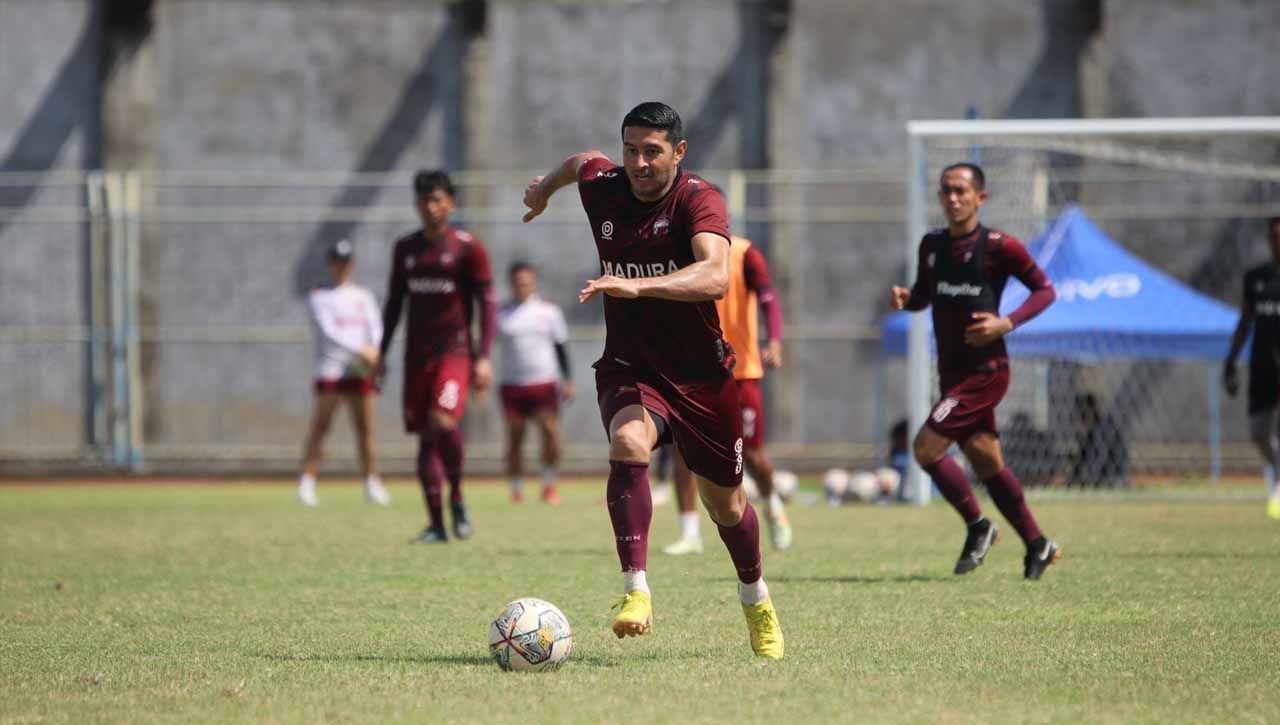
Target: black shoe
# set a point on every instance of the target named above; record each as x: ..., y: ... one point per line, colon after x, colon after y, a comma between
x: 431, y: 535
x: 461, y: 522
x: 982, y: 535
x: 1039, y: 556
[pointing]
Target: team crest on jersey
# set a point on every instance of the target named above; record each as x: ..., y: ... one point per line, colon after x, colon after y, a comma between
x: 409, y: 262
x: 928, y: 261
x: 661, y: 225
x: 968, y: 256
x: 607, y: 174
x: 446, y: 258
x: 1258, y: 286
x: 606, y: 230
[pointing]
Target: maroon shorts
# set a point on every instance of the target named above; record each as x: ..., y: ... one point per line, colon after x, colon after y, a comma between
x: 439, y: 383
x: 752, y: 413
x: 703, y: 418
x: 968, y: 404
x: 526, y: 401
x: 362, y: 386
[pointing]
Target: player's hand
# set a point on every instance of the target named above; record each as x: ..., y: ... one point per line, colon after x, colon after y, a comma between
x: 1230, y: 379
x: 610, y: 285
x: 898, y: 297
x: 370, y: 357
x: 986, y: 329
x: 568, y: 391
x: 535, y: 197
x: 772, y: 354
x: 481, y: 374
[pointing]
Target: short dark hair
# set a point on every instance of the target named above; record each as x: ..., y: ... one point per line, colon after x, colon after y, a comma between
x: 975, y: 171
x: 656, y: 115
x: 428, y: 180
x: 519, y: 265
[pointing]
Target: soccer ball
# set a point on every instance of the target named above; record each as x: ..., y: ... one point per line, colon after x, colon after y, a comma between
x: 785, y: 483
x: 530, y: 635
x: 749, y: 487
x: 836, y: 483
x: 890, y: 479
x: 863, y: 486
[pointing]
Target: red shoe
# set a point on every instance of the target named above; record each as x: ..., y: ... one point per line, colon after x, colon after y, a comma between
x: 551, y: 496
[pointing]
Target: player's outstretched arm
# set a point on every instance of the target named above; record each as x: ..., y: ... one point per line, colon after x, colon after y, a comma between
x: 704, y: 280
x: 1230, y: 378
x: 540, y: 189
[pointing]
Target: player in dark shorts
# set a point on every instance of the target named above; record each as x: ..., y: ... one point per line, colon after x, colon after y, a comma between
x: 663, y: 239
x: 442, y: 271
x: 1261, y: 312
x: 962, y: 272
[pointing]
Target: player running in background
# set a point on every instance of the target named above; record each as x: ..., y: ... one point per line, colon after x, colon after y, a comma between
x: 348, y: 331
x: 663, y: 239
x: 441, y: 270
x: 962, y: 272
x: 749, y: 289
x: 534, y: 375
x: 1261, y: 311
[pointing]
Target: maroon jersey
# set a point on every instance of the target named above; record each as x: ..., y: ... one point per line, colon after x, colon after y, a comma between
x: 679, y: 340
x: 964, y: 275
x: 440, y: 281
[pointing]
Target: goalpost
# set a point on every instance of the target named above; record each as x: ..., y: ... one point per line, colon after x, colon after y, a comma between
x: 1170, y: 191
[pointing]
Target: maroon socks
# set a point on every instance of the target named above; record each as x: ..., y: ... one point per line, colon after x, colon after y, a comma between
x: 743, y: 542
x: 1006, y: 492
x: 631, y: 511
x: 430, y: 477
x: 954, y: 485
x: 449, y: 443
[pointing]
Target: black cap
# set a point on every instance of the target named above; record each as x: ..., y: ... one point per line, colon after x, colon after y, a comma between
x: 341, y: 251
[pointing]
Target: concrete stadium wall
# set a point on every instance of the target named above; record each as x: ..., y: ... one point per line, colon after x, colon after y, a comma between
x: 396, y: 85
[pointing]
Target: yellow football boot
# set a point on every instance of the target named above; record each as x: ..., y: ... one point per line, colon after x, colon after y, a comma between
x: 766, y: 633
x: 636, y: 617
x: 1273, y: 507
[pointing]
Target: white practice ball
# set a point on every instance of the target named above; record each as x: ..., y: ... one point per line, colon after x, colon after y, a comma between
x: 889, y: 480
x: 785, y: 483
x: 864, y: 486
x: 835, y: 482
x: 749, y: 487
x: 530, y: 635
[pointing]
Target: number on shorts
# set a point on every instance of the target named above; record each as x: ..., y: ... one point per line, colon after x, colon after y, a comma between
x: 945, y: 406
x: 449, y: 395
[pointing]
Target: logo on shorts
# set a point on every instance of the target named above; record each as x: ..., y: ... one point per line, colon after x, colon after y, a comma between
x: 944, y: 409
x: 449, y: 395
x: 606, y: 230
x: 737, y: 457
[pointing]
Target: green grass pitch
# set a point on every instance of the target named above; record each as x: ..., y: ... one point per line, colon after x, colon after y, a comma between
x: 212, y: 603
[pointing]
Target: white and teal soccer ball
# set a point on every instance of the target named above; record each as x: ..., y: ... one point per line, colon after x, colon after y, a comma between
x: 863, y: 486
x: 530, y: 635
x: 836, y: 483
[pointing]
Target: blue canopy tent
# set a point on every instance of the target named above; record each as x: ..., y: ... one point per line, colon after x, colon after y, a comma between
x: 1110, y: 304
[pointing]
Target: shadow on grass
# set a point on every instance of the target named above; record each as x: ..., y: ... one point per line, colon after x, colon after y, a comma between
x: 591, y: 659
x: 903, y: 579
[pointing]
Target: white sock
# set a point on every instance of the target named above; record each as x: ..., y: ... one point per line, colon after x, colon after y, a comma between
x: 689, y: 525
x: 516, y: 484
x: 373, y: 481
x: 549, y: 477
x: 634, y: 581
x: 306, y: 480
x: 753, y: 593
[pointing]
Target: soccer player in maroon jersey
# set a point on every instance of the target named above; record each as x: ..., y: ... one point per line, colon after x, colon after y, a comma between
x: 442, y: 270
x: 962, y: 272
x: 663, y: 239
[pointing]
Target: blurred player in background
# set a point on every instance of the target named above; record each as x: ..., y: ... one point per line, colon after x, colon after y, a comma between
x: 663, y: 239
x: 750, y: 289
x: 962, y: 272
x: 348, y: 331
x: 535, y: 374
x: 1261, y: 312
x: 442, y: 271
